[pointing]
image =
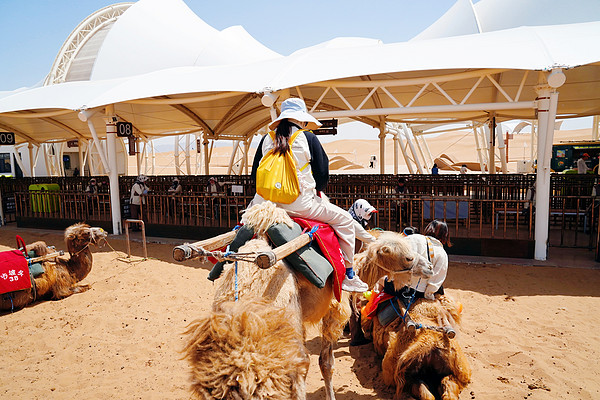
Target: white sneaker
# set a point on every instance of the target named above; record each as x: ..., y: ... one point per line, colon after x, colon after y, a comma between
x: 354, y: 284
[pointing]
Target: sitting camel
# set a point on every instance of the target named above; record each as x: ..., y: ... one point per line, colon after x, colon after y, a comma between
x: 288, y: 301
x: 60, y: 277
x: 424, y: 363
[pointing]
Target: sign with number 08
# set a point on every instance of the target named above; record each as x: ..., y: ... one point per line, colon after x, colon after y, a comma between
x: 124, y: 129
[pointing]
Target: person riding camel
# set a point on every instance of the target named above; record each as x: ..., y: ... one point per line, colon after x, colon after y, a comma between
x: 312, y: 170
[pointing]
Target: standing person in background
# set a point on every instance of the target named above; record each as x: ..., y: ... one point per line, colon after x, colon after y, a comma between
x: 401, y: 203
x: 582, y: 167
x: 435, y: 170
x: 91, y: 191
x: 463, y: 169
x: 176, y: 187
x: 137, y: 199
x: 215, y: 188
x: 174, y: 191
x: 312, y: 171
x: 76, y: 172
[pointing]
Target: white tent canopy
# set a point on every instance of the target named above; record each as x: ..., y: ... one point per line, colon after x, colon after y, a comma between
x: 178, y: 75
x: 465, y: 18
x: 506, y: 54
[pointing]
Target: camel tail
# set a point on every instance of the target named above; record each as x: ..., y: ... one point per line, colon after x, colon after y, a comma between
x: 246, y: 349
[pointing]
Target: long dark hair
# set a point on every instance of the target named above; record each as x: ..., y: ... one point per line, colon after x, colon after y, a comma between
x: 439, y: 230
x: 282, y: 136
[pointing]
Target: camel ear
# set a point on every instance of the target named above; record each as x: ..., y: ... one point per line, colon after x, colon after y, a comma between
x: 384, y: 250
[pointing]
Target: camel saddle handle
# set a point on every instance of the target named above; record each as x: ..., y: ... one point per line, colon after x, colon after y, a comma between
x: 21, y: 245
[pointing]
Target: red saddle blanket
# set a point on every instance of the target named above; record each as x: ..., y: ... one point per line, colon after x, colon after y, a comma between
x: 329, y: 245
x: 14, y: 272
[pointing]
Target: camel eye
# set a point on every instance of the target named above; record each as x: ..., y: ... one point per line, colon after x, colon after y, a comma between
x: 409, y: 259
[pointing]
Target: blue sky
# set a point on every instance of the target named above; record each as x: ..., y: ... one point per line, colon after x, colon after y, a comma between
x: 32, y: 31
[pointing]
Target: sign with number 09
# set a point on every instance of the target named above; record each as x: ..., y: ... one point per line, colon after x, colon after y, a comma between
x: 7, y: 138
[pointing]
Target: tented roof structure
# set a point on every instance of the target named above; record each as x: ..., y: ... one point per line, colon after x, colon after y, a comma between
x: 466, y: 18
x: 207, y: 82
x: 216, y: 82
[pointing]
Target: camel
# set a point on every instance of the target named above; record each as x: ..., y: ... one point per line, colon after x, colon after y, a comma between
x: 288, y: 300
x: 60, y: 277
x: 422, y: 363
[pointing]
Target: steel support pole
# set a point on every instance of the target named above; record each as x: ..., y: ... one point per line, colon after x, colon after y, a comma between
x: 113, y: 172
x: 382, y: 148
x: 548, y: 102
x: 396, y: 146
x: 492, y: 147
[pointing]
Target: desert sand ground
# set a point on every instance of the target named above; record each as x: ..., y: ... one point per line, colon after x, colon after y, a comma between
x: 529, y: 332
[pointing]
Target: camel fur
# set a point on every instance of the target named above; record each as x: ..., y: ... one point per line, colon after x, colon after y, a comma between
x: 425, y: 364
x: 289, y: 300
x: 60, y: 278
x: 248, y: 349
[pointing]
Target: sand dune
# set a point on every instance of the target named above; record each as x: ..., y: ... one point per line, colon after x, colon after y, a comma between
x: 460, y: 146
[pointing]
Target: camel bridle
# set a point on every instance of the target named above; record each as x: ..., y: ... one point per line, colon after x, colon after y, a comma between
x: 409, y: 269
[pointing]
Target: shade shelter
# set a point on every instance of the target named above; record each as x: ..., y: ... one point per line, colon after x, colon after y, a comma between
x: 483, y: 77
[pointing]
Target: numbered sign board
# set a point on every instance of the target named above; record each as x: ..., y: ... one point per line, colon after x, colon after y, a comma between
x: 124, y: 129
x: 7, y: 138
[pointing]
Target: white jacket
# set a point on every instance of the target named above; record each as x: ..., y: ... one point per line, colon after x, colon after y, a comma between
x: 439, y: 260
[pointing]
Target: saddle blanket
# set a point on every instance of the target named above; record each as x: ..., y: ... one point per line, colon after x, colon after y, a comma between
x: 330, y: 247
x: 14, y: 272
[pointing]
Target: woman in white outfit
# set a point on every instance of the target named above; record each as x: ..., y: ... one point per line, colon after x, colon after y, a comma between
x: 312, y: 168
x: 431, y: 245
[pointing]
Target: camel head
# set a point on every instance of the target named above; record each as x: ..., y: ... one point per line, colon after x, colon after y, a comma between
x: 392, y: 256
x: 80, y: 235
x: 262, y: 216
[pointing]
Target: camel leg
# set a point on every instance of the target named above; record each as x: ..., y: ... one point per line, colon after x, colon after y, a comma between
x: 299, y: 389
x: 449, y: 388
x: 326, y: 362
x: 80, y: 288
x: 421, y: 392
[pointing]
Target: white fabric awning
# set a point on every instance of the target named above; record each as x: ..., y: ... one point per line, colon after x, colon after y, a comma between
x: 221, y: 97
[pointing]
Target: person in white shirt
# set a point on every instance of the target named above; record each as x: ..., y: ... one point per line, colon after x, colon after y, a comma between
x: 136, y: 199
x: 463, y: 169
x: 582, y: 167
x: 312, y: 169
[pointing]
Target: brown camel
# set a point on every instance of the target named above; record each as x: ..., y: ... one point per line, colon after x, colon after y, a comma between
x: 292, y: 300
x: 60, y: 277
x: 422, y: 363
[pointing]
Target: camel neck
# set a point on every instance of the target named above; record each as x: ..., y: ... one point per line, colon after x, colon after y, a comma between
x: 80, y: 263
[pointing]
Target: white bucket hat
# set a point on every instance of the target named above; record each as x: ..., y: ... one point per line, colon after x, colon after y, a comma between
x: 295, y: 108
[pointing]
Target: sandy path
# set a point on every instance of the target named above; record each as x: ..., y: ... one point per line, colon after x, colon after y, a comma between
x: 529, y: 332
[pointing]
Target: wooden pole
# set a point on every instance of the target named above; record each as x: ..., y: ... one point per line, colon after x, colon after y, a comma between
x: 186, y: 251
x: 268, y: 258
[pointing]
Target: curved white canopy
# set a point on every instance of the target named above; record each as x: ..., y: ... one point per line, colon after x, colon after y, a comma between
x: 218, y: 89
x: 465, y: 18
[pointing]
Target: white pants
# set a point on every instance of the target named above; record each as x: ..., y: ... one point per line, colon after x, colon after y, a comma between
x: 311, y: 206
